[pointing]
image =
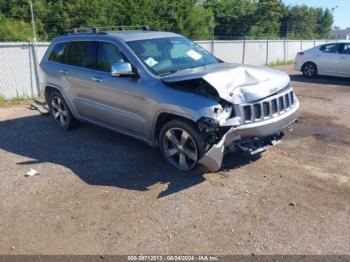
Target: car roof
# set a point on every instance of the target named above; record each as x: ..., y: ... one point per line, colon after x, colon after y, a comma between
x: 125, y: 36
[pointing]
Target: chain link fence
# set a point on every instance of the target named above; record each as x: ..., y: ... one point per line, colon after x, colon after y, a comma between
x: 19, y: 73
x: 21, y: 77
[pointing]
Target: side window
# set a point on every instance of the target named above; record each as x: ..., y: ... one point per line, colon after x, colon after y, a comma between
x: 346, y: 49
x: 332, y: 48
x: 108, y: 54
x: 83, y: 53
x: 58, y: 52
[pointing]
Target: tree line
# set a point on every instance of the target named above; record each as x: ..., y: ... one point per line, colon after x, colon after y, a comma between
x: 197, y: 19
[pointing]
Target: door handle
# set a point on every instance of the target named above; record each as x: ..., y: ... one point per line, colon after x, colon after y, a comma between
x: 63, y: 71
x: 97, y: 79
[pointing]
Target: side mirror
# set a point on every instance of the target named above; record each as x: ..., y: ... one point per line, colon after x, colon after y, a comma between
x: 122, y: 69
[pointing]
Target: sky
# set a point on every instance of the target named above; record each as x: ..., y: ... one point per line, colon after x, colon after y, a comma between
x: 341, y: 14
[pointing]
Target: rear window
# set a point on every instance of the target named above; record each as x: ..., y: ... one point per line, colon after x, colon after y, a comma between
x: 332, y: 48
x: 83, y: 53
x: 58, y: 52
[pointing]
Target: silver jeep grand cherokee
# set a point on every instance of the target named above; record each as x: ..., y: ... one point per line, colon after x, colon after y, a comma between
x: 165, y: 90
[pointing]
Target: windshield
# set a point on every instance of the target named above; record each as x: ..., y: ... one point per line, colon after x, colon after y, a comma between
x: 168, y: 55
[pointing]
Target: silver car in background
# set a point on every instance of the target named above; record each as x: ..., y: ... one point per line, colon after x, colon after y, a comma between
x: 331, y: 59
x: 169, y: 92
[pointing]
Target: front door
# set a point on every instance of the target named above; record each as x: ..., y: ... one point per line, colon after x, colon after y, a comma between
x: 117, y: 99
x: 327, y: 59
x: 344, y: 61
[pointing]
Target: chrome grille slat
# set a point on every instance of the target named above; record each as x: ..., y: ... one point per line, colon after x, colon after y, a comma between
x: 281, y: 103
x: 287, y: 103
x: 269, y: 107
x: 266, y: 109
x: 257, y: 111
x: 274, y: 106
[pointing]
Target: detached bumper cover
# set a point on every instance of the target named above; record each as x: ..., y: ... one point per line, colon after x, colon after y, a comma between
x: 213, y: 157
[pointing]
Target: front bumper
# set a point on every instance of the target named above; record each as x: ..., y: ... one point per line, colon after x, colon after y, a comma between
x: 213, y: 157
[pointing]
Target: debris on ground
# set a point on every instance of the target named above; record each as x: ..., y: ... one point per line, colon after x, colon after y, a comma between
x: 40, y: 106
x: 32, y: 172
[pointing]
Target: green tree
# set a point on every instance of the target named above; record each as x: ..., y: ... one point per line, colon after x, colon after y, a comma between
x: 197, y: 19
x: 306, y: 22
x: 267, y: 18
x: 233, y: 18
x: 325, y: 23
x: 14, y: 30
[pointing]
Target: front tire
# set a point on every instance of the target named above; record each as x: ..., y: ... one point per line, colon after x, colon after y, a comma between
x: 309, y: 70
x: 60, y: 112
x: 182, y: 146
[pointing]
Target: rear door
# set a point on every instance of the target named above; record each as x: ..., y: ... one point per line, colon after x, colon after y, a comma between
x: 327, y: 59
x: 117, y: 99
x: 81, y: 59
x: 344, y: 61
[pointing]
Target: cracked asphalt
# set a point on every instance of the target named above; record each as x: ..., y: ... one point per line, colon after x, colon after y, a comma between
x: 99, y: 192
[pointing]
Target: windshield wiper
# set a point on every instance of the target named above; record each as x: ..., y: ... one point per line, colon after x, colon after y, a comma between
x: 169, y: 73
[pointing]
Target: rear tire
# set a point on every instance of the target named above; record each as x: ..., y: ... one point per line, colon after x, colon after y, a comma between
x: 182, y: 146
x: 309, y: 70
x: 60, y: 112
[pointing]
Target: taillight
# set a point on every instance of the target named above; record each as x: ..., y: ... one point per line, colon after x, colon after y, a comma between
x: 300, y: 53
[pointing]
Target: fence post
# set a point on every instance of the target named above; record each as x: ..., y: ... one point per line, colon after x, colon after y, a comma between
x: 301, y: 45
x: 285, y: 51
x: 35, y: 66
x: 31, y: 72
x: 267, y: 52
x: 212, y: 39
x: 243, y: 55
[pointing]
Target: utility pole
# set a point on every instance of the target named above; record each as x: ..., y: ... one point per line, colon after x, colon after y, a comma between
x: 333, y: 9
x: 35, y: 57
x: 33, y: 22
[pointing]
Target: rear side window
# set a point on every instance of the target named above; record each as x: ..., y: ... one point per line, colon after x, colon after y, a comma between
x: 58, y: 52
x: 108, y: 54
x: 332, y: 48
x: 83, y: 53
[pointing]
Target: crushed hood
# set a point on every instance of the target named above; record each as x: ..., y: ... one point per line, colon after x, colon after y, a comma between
x: 236, y: 83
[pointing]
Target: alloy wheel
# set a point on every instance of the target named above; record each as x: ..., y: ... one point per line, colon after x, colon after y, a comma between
x: 180, y: 149
x: 59, y: 110
x: 309, y: 70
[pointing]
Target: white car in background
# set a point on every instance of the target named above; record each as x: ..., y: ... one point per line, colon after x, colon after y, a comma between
x: 328, y: 59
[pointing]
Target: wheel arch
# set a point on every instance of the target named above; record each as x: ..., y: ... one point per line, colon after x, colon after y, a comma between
x: 52, y: 88
x: 48, y: 91
x: 309, y: 62
x: 162, y: 118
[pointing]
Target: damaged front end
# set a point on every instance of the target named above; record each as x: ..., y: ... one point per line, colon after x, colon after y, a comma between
x: 256, y: 105
x: 263, y: 124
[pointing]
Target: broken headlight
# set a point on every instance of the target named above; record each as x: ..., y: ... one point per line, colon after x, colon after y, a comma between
x: 222, y: 114
x: 207, y: 124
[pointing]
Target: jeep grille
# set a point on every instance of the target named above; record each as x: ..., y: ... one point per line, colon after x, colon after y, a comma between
x: 268, y: 107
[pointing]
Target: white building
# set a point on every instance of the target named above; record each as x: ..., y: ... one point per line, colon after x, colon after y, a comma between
x: 341, y: 33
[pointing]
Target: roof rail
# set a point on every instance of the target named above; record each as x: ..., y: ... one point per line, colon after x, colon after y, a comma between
x: 103, y: 30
